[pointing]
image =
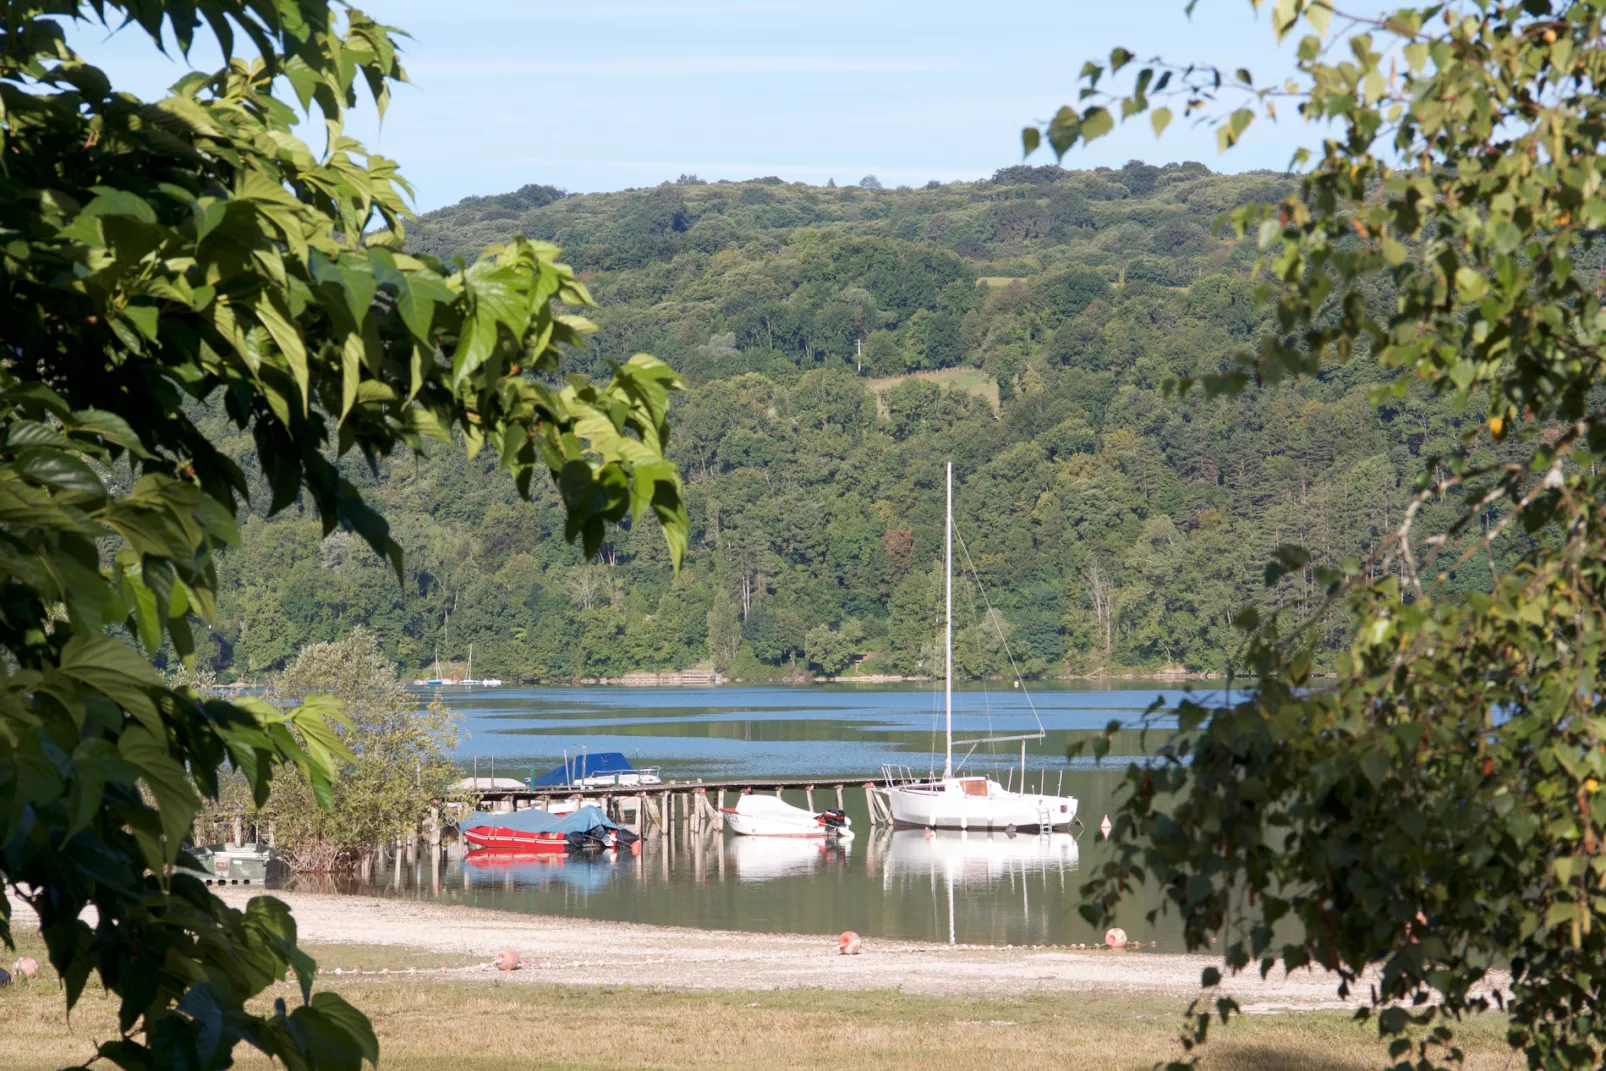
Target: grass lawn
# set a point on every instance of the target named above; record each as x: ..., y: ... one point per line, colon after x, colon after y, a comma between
x: 430, y: 1023
x: 970, y: 380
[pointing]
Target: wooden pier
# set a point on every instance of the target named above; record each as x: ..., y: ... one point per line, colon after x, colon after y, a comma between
x: 693, y: 806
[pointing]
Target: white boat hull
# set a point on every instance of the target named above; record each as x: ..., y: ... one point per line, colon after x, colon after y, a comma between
x: 766, y: 816
x: 619, y: 780
x: 976, y: 803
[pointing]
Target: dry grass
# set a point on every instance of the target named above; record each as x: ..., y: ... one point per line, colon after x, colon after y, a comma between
x: 970, y: 380
x: 429, y: 1023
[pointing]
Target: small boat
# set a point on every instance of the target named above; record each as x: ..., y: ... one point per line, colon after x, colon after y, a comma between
x: 540, y: 831
x: 606, y: 769
x: 236, y: 864
x: 769, y: 816
x: 482, y: 783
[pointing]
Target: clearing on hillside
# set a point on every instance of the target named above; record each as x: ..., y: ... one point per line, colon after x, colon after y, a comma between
x: 970, y: 380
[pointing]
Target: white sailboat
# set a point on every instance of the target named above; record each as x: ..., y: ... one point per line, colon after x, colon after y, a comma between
x: 969, y: 802
x: 483, y: 682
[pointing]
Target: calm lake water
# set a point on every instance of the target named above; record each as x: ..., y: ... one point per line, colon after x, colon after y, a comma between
x: 970, y: 888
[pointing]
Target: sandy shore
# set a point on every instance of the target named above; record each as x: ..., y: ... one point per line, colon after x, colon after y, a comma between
x: 587, y: 952
x: 582, y: 951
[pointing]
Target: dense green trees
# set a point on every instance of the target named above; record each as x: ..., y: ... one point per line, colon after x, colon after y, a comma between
x: 813, y: 485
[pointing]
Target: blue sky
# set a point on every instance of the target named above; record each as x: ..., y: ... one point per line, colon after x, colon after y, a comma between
x: 608, y: 94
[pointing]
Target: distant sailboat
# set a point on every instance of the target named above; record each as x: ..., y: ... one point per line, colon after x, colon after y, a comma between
x: 470, y: 681
x: 974, y: 802
x: 437, y: 680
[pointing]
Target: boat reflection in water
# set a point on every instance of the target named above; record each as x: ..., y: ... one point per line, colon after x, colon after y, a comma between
x: 590, y: 872
x: 768, y: 858
x: 977, y: 857
x: 952, y: 859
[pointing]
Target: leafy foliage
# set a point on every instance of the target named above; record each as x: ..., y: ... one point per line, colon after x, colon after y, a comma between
x: 400, y: 757
x: 157, y: 259
x: 1435, y: 810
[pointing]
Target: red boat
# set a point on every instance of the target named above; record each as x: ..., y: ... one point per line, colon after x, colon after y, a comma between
x: 504, y: 839
x: 541, y: 832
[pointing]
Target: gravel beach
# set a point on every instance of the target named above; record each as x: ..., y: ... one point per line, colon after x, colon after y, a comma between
x: 589, y: 952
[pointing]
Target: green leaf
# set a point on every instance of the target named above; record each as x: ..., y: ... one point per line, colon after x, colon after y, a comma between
x: 1096, y: 122
x: 61, y: 471
x: 1160, y: 118
x: 95, y: 762
x: 117, y: 671
x: 1470, y: 284
x: 165, y: 777
x: 143, y: 317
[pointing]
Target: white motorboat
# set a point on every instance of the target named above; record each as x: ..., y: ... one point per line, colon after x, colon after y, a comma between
x: 770, y: 816
x: 970, y: 802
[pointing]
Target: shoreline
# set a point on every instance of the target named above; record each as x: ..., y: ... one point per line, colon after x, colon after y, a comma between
x: 643, y: 681
x: 570, y: 951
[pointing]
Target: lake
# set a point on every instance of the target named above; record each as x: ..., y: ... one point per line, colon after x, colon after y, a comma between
x: 969, y: 888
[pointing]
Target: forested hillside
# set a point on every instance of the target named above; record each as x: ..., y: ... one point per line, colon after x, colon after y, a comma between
x: 840, y: 343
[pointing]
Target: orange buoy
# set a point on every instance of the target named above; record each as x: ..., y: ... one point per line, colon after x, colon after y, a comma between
x: 1115, y: 937
x: 507, y: 960
x: 26, y: 967
x: 849, y: 944
x: 1105, y: 827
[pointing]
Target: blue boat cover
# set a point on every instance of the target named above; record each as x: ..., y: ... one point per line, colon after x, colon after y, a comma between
x: 599, y: 765
x: 533, y: 821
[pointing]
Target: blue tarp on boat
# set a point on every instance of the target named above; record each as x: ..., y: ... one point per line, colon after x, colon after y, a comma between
x: 583, y: 766
x: 584, y: 820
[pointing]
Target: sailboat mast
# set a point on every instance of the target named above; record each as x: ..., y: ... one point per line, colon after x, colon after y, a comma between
x: 948, y: 631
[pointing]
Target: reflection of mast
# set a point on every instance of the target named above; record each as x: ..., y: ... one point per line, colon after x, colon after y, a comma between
x: 950, y: 869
